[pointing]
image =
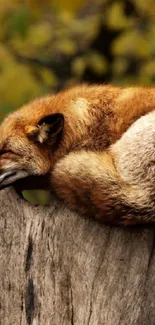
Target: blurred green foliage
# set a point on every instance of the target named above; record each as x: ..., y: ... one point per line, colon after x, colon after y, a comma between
x: 46, y: 45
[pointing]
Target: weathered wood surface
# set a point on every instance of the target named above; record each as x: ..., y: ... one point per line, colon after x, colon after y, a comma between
x: 59, y: 269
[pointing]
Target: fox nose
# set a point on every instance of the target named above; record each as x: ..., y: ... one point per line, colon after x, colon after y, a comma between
x: 9, y: 176
x: 4, y: 174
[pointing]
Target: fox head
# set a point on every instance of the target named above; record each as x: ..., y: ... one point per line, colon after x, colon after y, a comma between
x: 36, y: 135
x: 29, y: 138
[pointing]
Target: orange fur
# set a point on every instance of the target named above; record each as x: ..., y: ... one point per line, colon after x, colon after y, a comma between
x: 95, y: 117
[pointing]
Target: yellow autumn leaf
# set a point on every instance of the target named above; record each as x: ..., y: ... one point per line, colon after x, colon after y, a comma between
x: 132, y: 43
x: 68, y: 5
x: 12, y: 90
x: 146, y: 7
x: 48, y: 77
x: 6, y: 5
x: 78, y: 66
x: 116, y: 18
x: 148, y: 68
x: 120, y: 65
x: 97, y: 62
x: 39, y: 34
x: 66, y: 46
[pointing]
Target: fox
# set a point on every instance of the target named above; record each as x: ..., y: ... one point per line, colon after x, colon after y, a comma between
x: 92, y: 146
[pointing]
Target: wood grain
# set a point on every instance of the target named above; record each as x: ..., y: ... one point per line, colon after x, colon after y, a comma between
x: 57, y: 268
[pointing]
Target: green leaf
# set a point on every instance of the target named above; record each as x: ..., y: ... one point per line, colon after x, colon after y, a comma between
x: 19, y: 21
x: 37, y: 197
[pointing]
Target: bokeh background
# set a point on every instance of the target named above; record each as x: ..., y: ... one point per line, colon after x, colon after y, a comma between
x: 47, y: 45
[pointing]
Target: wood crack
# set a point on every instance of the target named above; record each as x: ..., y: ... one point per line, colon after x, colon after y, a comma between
x: 151, y: 250
x: 95, y: 278
x: 72, y: 306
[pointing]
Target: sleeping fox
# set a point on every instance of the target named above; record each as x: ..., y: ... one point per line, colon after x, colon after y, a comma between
x: 93, y: 146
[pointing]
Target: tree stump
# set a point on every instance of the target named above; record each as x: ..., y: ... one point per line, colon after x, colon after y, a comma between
x: 57, y: 268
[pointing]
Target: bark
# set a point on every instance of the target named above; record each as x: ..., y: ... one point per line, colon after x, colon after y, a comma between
x: 57, y: 268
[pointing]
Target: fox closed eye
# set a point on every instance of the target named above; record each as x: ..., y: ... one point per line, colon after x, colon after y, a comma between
x: 4, y: 152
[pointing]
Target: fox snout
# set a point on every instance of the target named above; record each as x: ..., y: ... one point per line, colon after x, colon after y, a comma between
x: 9, y: 176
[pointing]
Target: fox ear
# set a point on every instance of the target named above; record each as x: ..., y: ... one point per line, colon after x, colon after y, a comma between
x: 47, y: 129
